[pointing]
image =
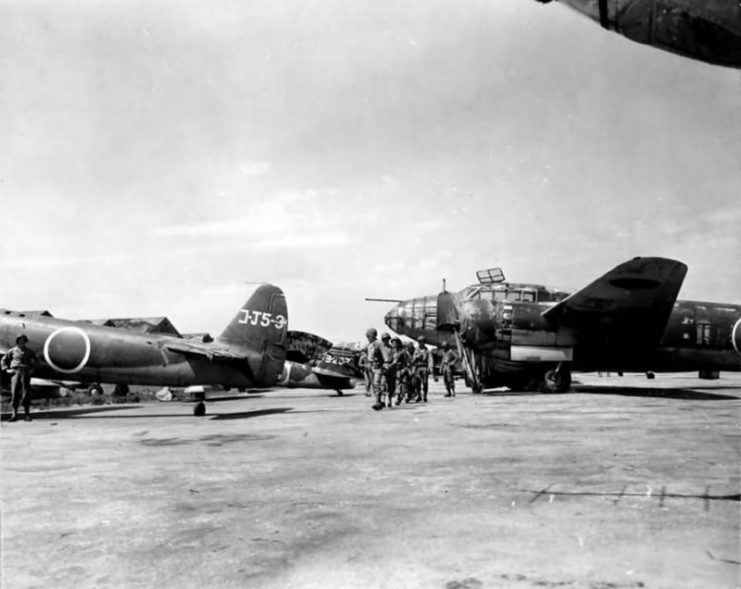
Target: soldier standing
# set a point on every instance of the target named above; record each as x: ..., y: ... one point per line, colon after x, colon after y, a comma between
x: 422, y: 365
x: 20, y: 362
x: 447, y: 367
x: 402, y: 361
x: 389, y: 371
x: 364, y: 366
x: 377, y: 360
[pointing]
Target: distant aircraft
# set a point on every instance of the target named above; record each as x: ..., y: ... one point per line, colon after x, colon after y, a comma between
x: 706, y: 30
x: 315, y: 363
x: 249, y: 353
x: 629, y: 320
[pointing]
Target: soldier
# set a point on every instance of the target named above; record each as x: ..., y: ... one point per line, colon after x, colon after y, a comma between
x: 422, y: 365
x: 20, y: 362
x: 389, y: 372
x: 377, y: 361
x: 447, y: 366
x: 364, y: 367
x: 403, y: 362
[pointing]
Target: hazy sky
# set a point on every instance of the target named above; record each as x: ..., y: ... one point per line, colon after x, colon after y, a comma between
x: 155, y: 156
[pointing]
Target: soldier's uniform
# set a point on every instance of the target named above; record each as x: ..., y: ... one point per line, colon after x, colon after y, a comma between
x: 20, y: 362
x: 422, y: 365
x: 402, y: 361
x: 447, y: 367
x: 377, y: 360
x: 389, y: 372
x: 364, y: 367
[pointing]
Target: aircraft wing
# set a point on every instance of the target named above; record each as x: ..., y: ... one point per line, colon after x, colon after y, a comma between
x: 629, y: 305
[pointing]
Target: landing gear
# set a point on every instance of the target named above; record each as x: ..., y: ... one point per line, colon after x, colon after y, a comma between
x: 474, y: 385
x: 650, y: 375
x: 339, y: 393
x: 200, y: 409
x: 472, y: 379
x: 556, y: 380
x: 95, y: 389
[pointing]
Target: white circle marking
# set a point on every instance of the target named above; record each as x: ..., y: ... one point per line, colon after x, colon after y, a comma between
x: 733, y: 336
x: 86, y: 357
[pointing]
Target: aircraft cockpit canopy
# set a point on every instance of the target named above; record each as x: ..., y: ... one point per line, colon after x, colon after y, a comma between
x: 510, y: 292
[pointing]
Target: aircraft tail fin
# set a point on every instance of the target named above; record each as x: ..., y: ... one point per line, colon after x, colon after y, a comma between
x: 259, y: 328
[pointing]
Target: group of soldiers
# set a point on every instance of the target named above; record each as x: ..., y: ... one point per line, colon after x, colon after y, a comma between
x: 398, y: 373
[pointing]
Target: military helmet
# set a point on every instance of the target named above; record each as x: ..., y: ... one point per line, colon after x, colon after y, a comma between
x: 395, y: 340
x: 21, y: 338
x: 446, y: 346
x: 371, y: 332
x: 421, y: 339
x: 385, y: 335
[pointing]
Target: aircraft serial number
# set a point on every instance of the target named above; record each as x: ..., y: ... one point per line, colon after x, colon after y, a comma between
x: 330, y: 359
x: 262, y: 318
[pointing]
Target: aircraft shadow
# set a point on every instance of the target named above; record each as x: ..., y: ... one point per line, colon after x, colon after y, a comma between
x: 63, y: 414
x: 249, y: 414
x: 671, y: 393
x: 693, y: 394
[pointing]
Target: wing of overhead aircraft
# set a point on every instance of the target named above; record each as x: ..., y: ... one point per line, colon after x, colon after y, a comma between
x: 630, y: 304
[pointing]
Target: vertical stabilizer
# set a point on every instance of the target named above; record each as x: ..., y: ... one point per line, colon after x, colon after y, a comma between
x: 260, y: 329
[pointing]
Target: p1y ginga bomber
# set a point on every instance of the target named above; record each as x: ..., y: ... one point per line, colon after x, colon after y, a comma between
x: 629, y: 319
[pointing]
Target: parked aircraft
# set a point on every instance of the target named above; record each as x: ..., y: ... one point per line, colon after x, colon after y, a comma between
x: 313, y: 362
x: 708, y: 31
x: 626, y: 320
x: 249, y: 353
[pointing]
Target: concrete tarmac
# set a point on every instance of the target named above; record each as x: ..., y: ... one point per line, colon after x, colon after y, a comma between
x: 623, y: 483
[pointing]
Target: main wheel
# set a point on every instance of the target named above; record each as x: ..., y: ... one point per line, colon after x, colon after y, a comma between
x: 556, y: 381
x: 95, y: 389
x: 200, y: 409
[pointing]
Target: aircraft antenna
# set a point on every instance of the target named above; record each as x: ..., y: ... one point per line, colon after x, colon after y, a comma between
x: 374, y: 300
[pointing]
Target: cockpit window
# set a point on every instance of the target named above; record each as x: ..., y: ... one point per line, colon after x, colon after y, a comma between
x: 471, y: 293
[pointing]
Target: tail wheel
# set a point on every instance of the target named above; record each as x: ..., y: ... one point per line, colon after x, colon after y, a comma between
x: 556, y: 381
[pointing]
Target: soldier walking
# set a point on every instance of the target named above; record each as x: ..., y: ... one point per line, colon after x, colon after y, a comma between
x: 20, y: 362
x: 422, y: 365
x: 447, y: 367
x: 377, y: 360
x: 406, y: 374
x: 364, y: 367
x: 389, y: 371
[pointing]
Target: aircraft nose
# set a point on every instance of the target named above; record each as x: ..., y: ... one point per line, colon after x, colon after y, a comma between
x: 419, y: 314
x: 394, y: 318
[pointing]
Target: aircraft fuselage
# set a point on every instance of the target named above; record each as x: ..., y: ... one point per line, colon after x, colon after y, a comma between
x: 75, y: 350
x: 513, y: 333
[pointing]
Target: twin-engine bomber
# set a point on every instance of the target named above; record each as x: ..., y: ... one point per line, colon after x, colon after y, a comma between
x: 527, y: 335
x: 250, y: 352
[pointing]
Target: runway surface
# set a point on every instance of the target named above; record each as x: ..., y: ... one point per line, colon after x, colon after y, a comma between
x: 623, y: 483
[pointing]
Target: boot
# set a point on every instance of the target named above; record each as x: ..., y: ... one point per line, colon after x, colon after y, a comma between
x: 27, y: 416
x: 14, y: 416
